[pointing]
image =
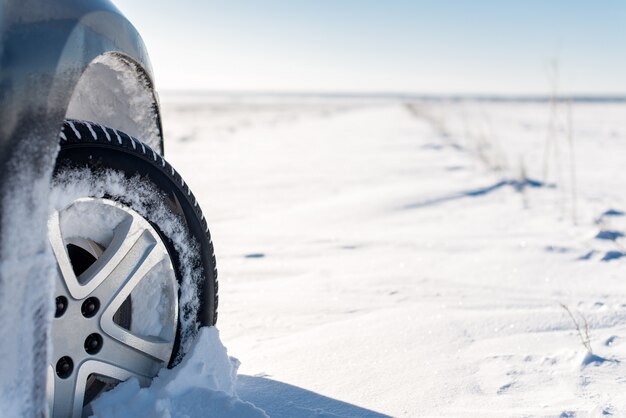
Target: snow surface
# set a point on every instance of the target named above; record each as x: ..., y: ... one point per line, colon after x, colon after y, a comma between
x: 383, y: 258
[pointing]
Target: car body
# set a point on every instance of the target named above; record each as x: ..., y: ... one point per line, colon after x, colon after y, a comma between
x: 63, y: 58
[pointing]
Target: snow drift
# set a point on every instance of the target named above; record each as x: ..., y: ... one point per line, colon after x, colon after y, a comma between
x: 202, y: 385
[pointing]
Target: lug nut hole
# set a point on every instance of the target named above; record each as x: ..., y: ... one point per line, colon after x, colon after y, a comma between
x: 61, y: 306
x: 90, y: 307
x: 64, y: 367
x: 93, y: 343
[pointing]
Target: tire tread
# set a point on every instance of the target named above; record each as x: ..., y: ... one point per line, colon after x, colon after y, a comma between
x: 81, y: 132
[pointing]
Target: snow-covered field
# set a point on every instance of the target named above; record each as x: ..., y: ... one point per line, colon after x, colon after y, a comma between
x: 385, y: 258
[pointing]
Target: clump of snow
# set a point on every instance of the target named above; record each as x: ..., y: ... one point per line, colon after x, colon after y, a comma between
x: 593, y: 359
x: 81, y: 220
x: 142, y: 196
x: 154, y: 304
x: 202, y: 385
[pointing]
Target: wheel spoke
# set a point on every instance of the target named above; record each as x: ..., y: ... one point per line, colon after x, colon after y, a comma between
x: 118, y: 286
x: 155, y: 347
x: 68, y: 395
x: 126, y: 268
x: 126, y: 234
x: 129, y: 359
x: 62, y: 257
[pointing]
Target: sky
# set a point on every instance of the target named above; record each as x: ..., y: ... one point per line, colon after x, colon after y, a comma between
x: 385, y: 46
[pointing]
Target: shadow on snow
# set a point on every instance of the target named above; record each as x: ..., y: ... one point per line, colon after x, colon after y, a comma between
x: 281, y: 400
x: 518, y: 185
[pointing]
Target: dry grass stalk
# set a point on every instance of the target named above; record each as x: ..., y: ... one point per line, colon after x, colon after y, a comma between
x: 583, y: 333
x: 572, y: 156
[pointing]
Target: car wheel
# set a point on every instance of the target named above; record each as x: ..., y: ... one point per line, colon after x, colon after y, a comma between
x: 136, y: 265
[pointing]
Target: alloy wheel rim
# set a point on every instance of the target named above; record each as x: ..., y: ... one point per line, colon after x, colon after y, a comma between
x: 116, y: 299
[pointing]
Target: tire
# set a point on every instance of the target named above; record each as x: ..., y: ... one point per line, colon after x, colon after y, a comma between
x: 137, y: 273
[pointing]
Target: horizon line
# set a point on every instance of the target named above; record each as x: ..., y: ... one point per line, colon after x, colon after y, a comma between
x: 502, y: 97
